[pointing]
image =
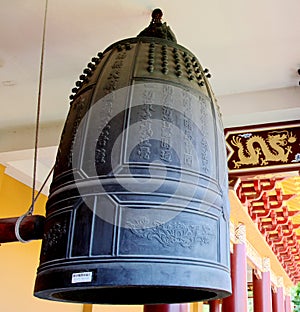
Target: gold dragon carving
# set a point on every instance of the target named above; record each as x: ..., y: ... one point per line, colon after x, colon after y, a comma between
x: 259, y: 151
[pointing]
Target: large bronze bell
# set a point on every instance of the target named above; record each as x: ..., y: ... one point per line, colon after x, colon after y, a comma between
x: 138, y: 209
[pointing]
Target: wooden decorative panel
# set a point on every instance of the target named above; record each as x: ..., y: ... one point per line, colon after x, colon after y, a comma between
x: 264, y: 148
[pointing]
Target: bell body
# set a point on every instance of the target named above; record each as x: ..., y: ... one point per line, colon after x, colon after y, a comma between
x: 138, y: 210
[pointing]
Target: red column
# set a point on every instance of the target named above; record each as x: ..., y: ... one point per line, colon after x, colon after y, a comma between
x: 184, y: 307
x: 238, y: 301
x: 288, y: 304
x: 214, y: 306
x: 278, y: 300
x: 262, y: 293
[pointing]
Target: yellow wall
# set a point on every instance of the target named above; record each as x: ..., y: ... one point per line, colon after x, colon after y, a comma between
x: 18, y: 262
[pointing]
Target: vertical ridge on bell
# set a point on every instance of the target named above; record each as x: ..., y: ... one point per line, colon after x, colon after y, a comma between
x: 138, y: 207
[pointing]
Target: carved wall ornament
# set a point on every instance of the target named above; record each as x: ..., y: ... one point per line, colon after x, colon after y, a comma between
x: 257, y: 273
x: 274, y: 288
x: 266, y: 264
x: 232, y: 232
x: 274, y: 148
x: 274, y: 280
x: 280, y: 281
x: 287, y: 291
x: 254, y: 256
x: 240, y: 234
x: 262, y: 148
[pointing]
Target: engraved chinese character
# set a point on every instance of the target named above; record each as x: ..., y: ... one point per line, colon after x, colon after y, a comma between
x: 167, y: 113
x: 146, y: 112
x: 117, y: 64
x: 110, y: 86
x: 102, y: 141
x: 165, y: 142
x: 100, y: 155
x: 145, y: 142
x: 114, y: 75
x: 188, y: 159
x: 188, y: 146
x: 167, y: 90
x: 145, y: 130
x: 166, y: 132
x: 148, y: 96
x: 166, y: 155
x: 187, y: 123
x: 167, y: 95
x: 108, y: 107
x: 187, y: 136
x: 187, y: 102
x: 121, y: 56
x: 144, y: 152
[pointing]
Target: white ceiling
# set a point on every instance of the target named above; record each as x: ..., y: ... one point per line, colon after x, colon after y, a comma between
x: 250, y: 47
x: 247, y: 45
